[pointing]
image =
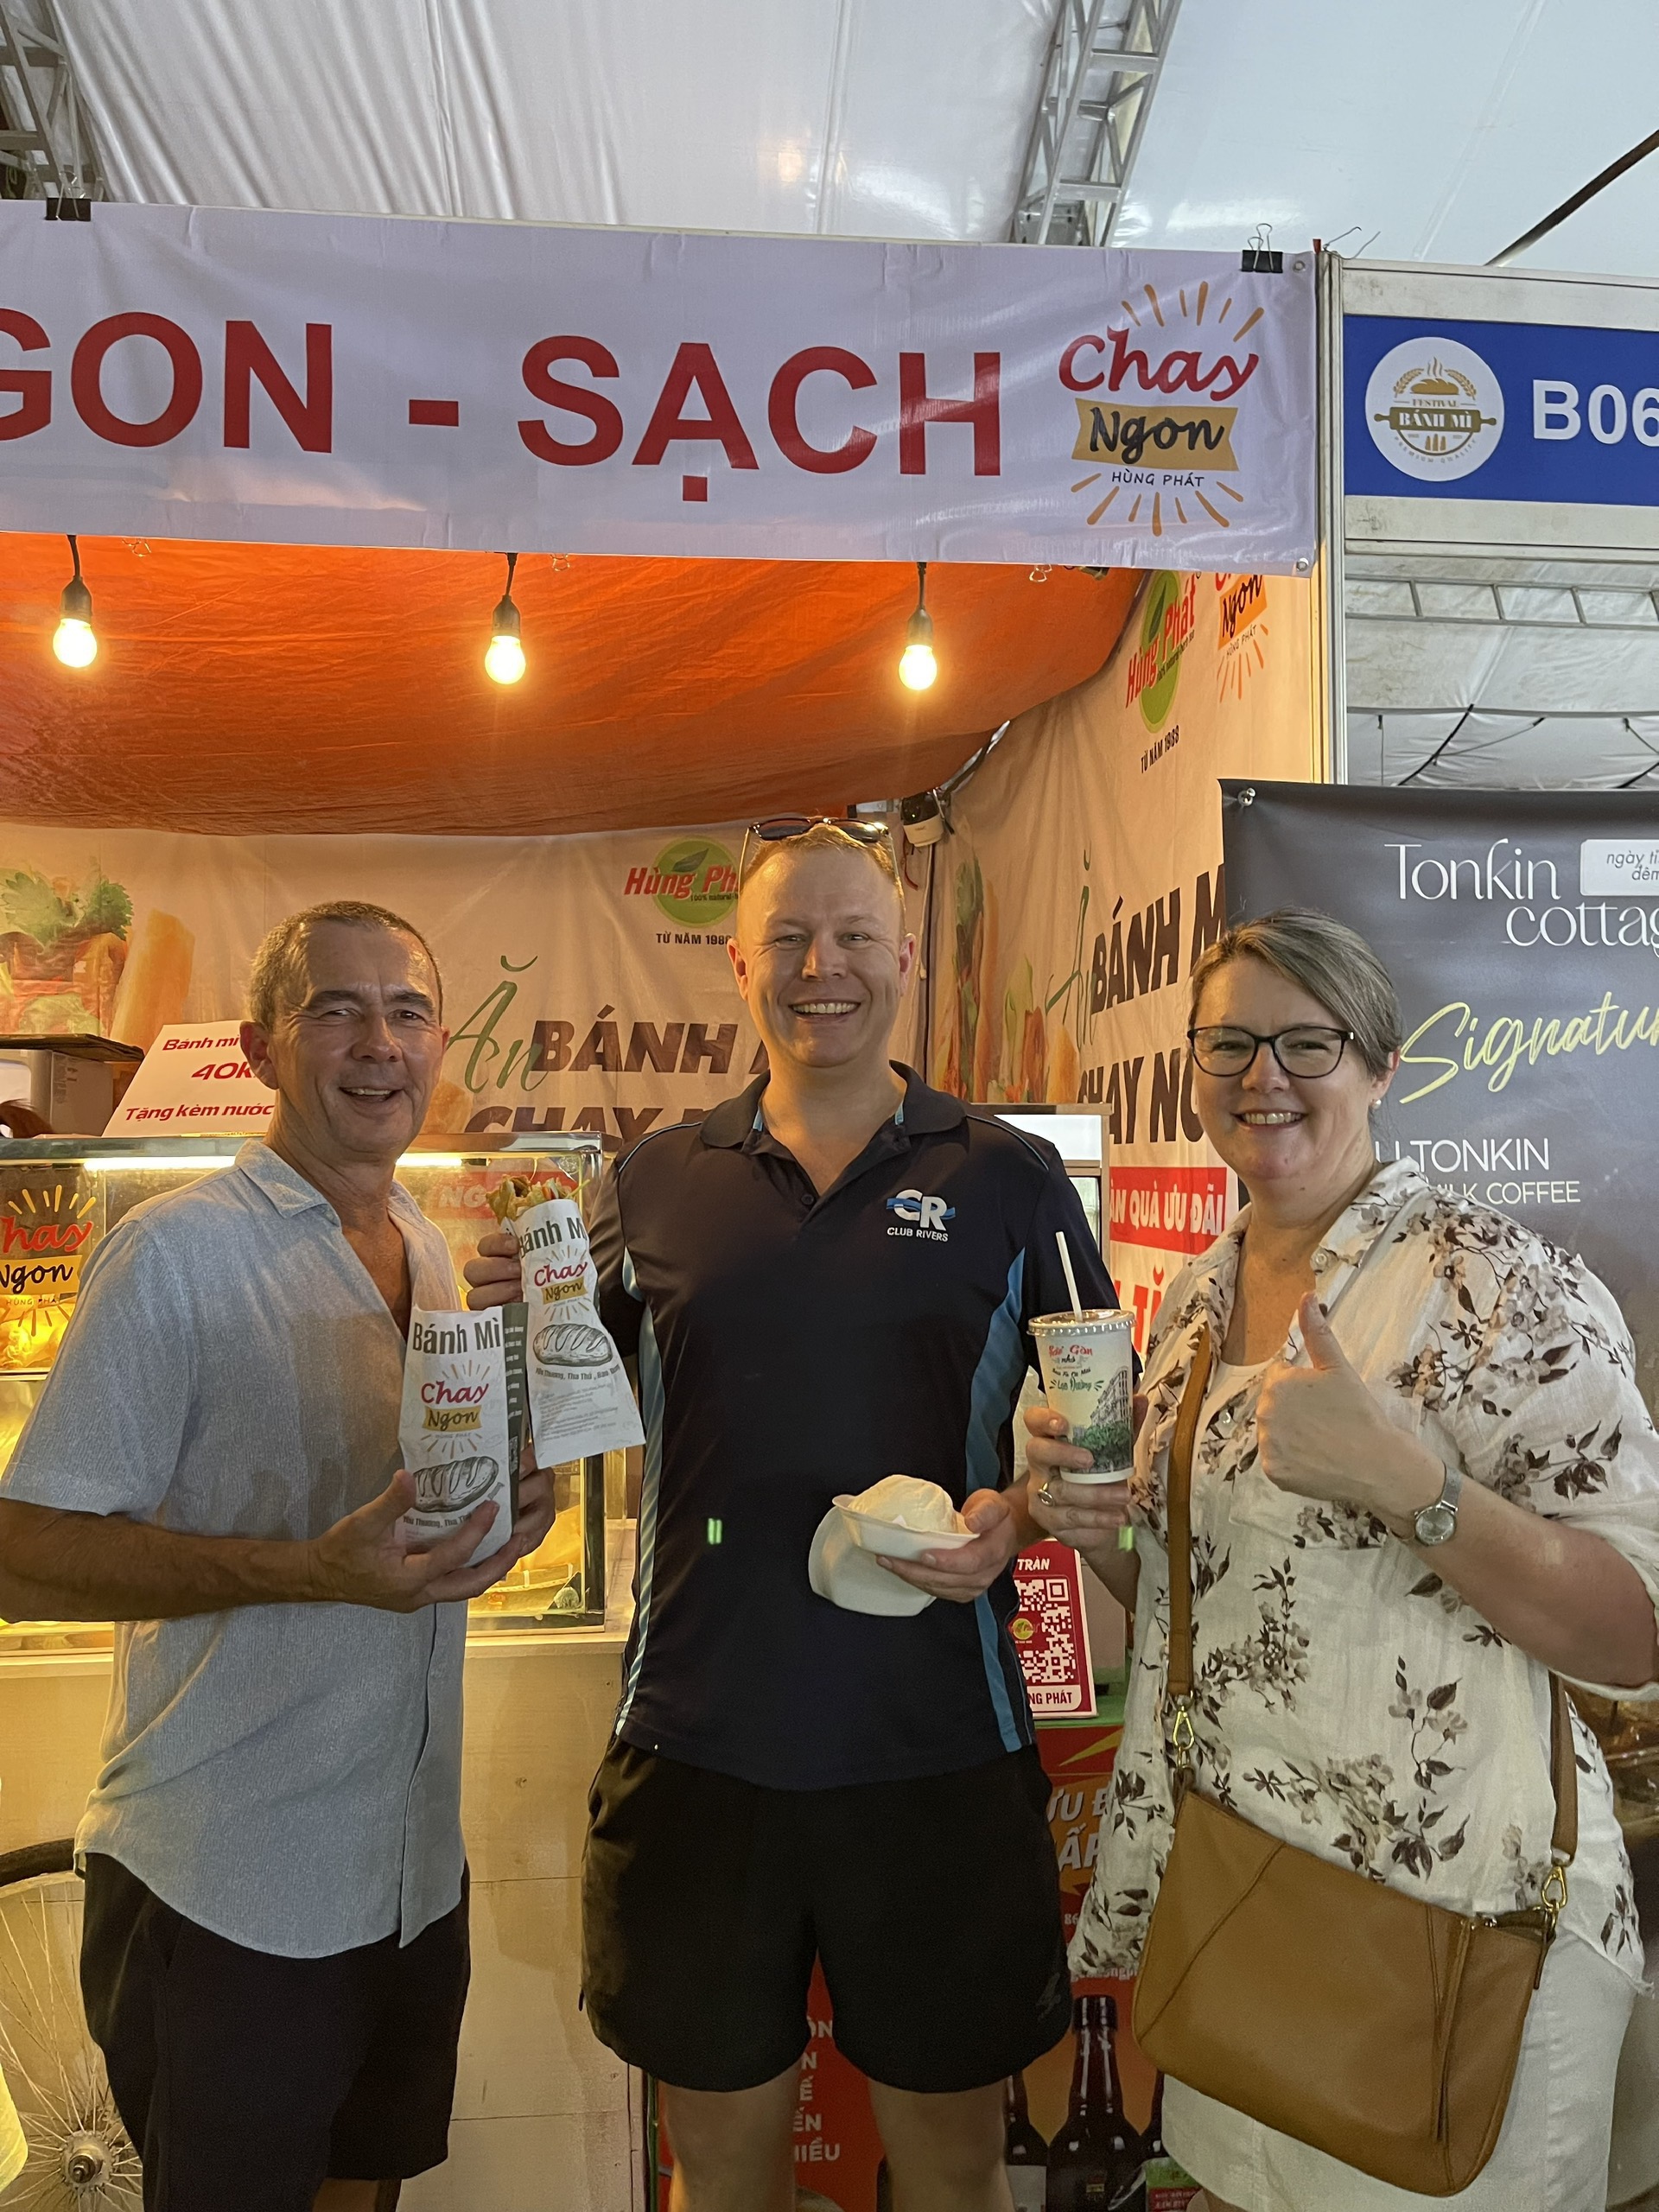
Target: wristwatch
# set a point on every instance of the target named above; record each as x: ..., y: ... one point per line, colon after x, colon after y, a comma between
x: 1438, y: 1523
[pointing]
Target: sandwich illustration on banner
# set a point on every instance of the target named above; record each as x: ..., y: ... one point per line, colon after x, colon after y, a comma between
x: 73, y: 964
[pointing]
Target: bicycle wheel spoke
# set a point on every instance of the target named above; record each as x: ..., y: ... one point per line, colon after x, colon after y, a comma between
x: 56, y: 2070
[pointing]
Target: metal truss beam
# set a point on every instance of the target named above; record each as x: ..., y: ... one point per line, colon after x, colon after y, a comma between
x: 1509, y: 607
x: 47, y: 147
x: 1104, y: 57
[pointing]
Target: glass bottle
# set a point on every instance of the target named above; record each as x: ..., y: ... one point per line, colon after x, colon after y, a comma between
x: 1166, y: 2185
x: 1024, y: 2154
x: 1094, y: 2163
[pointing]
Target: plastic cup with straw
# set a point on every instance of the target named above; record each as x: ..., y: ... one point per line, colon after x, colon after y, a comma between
x: 1086, y: 1357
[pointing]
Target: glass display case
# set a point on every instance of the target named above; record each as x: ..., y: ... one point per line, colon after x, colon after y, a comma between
x: 1080, y: 1137
x: 59, y: 1196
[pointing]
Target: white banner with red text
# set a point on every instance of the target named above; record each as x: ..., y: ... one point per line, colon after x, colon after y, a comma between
x: 362, y: 380
x: 586, y: 982
x: 1085, y: 877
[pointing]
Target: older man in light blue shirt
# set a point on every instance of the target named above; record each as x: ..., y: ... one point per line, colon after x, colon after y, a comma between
x: 275, y: 1958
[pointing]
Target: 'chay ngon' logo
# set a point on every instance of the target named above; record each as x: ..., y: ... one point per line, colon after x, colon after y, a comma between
x: 918, y: 1214
x: 1151, y: 414
x: 1434, y: 409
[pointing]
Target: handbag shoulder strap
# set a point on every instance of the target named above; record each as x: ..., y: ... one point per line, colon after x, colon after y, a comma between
x: 1564, y: 1778
x: 1178, y: 1492
x: 1563, y: 1769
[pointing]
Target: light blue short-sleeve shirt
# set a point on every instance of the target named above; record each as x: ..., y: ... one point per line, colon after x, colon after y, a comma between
x: 286, y: 1775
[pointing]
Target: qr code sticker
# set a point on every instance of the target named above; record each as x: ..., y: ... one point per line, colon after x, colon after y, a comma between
x: 1050, y: 1654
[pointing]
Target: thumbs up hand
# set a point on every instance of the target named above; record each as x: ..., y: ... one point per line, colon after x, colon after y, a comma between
x: 1320, y: 1433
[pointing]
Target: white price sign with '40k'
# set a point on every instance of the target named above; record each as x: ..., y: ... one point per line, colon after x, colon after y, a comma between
x: 193, y: 1079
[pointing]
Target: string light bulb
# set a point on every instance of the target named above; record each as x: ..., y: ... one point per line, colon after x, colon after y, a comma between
x: 504, y: 663
x: 75, y: 641
x: 917, y: 667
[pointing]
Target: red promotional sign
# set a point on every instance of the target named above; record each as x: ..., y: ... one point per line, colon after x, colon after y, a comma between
x: 1172, y: 1209
x: 1078, y: 1758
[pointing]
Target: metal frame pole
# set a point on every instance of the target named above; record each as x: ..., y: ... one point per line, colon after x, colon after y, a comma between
x: 1330, y: 649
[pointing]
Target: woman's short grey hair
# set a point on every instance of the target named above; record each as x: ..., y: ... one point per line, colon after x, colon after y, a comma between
x: 277, y: 978
x: 1330, y: 962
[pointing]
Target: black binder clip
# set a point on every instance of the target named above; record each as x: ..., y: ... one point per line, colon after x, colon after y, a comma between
x: 1259, y: 258
x: 65, y: 210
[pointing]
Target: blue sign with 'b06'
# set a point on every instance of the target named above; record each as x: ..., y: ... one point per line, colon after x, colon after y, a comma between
x: 1501, y: 410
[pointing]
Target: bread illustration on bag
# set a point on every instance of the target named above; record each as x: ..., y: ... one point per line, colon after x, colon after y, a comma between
x: 462, y: 1425
x: 580, y: 1401
x: 573, y: 1343
x: 456, y: 1485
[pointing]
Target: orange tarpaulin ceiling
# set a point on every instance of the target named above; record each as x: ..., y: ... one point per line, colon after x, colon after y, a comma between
x: 256, y: 688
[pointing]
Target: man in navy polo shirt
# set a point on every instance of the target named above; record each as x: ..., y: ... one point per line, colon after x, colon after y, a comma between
x: 826, y: 1281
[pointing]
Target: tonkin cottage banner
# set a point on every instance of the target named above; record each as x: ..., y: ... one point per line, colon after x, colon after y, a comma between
x: 362, y: 380
x: 1085, y: 877
x: 1522, y: 930
x: 586, y: 981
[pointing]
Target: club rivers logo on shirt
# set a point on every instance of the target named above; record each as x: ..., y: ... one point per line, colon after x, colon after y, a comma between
x: 919, y: 1215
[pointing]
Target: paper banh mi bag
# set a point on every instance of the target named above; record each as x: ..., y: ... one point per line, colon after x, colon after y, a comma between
x: 462, y: 1425
x: 580, y: 1401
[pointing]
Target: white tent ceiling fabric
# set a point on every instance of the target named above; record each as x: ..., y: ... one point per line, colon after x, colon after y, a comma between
x: 1408, y: 129
x: 878, y: 118
x: 1548, y: 651
x: 1542, y: 678
x: 1440, y: 133
x: 1475, y: 751
x: 1415, y: 129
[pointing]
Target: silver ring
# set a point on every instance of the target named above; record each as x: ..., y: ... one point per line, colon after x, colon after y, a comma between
x: 1045, y: 1495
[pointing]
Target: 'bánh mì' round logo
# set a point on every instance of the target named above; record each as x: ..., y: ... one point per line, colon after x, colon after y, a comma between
x: 1434, y: 409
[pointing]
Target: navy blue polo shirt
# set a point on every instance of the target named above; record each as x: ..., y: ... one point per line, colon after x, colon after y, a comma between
x: 792, y: 1346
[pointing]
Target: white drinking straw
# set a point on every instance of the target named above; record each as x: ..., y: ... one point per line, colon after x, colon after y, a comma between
x: 1070, y: 1278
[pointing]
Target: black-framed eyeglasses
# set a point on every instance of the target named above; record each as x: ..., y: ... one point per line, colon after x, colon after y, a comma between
x: 1306, y: 1051
x: 779, y: 829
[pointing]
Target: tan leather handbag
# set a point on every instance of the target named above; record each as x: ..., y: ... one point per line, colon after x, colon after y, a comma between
x: 1377, y: 2027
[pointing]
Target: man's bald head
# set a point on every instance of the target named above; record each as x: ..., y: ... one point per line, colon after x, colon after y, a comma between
x: 767, y: 855
x: 821, y: 952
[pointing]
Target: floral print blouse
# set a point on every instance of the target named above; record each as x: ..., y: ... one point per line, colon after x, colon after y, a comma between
x: 1344, y: 1697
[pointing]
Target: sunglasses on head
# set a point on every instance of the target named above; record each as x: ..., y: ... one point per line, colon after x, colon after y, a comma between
x: 779, y: 829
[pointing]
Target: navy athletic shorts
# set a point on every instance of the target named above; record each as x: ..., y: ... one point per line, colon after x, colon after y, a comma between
x: 934, y: 1904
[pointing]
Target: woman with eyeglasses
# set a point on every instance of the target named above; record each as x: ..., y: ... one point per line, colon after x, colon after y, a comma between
x: 1422, y: 1479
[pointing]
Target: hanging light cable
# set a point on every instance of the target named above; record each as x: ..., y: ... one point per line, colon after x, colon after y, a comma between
x: 504, y: 663
x: 917, y: 667
x: 75, y: 641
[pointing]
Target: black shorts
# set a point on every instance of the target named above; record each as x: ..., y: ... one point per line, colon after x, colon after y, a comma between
x: 247, y: 2080
x: 934, y: 1904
